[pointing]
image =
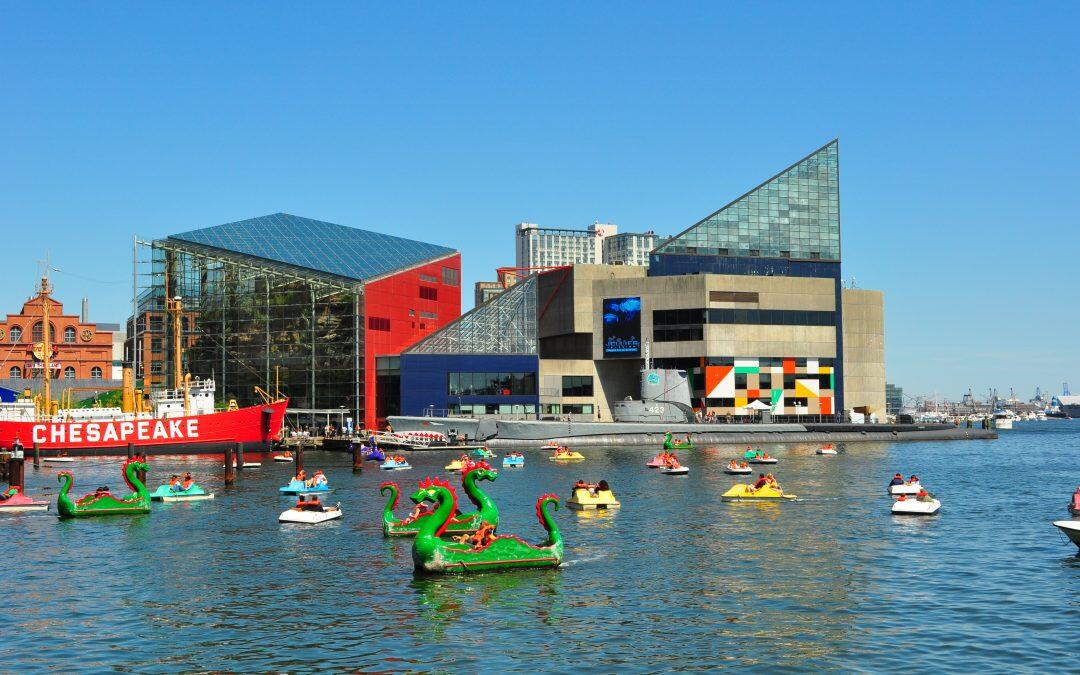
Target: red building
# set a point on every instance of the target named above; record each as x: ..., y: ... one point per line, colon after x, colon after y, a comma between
x: 78, y: 350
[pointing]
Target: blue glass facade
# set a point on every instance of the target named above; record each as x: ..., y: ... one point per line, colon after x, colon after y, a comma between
x: 426, y: 382
x: 317, y: 245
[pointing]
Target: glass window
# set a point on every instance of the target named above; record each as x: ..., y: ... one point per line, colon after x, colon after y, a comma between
x: 69, y: 335
x: 15, y: 372
x: 451, y: 276
x: 69, y: 373
x: 429, y: 293
x: 15, y: 333
x: 577, y: 385
x: 95, y: 373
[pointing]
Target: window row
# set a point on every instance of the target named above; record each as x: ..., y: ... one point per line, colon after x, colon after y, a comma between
x: 577, y: 385
x: 491, y: 384
x: 15, y: 372
x: 37, y: 333
x: 760, y: 317
x: 767, y: 361
x: 492, y: 408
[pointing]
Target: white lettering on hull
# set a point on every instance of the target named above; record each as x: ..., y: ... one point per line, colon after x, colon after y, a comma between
x: 77, y: 433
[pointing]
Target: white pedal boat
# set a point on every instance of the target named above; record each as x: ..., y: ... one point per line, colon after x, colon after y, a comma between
x: 247, y: 465
x: 58, y: 460
x: 310, y: 516
x: 1071, y: 528
x: 905, y: 489
x: 913, y: 507
x: 186, y: 498
x: 281, y: 458
x: 763, y: 460
x: 676, y: 470
x: 826, y: 451
x: 738, y: 471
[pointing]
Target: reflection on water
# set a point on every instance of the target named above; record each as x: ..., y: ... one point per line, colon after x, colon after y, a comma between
x: 675, y: 579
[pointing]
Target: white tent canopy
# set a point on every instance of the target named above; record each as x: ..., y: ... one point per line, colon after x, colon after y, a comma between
x: 757, y: 405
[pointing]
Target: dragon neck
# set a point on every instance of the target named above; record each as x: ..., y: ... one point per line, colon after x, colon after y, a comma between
x: 63, y: 500
x: 476, y: 495
x: 431, y: 527
x: 131, y: 477
x: 391, y: 503
x: 543, y: 512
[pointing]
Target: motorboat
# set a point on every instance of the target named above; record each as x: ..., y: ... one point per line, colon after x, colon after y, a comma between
x: 592, y: 498
x: 299, y: 487
x: 908, y: 488
x: 677, y: 470
x: 744, y: 492
x: 735, y: 469
x: 15, y: 501
x: 168, y: 493
x: 1074, y: 504
x: 310, y: 513
x: 395, y: 464
x: 1071, y: 528
x: 513, y: 461
x: 826, y: 449
x: 914, y: 506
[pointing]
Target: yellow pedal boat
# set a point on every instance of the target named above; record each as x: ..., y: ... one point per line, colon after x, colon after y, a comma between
x: 586, y: 500
x: 570, y: 456
x: 742, y: 492
x: 455, y: 465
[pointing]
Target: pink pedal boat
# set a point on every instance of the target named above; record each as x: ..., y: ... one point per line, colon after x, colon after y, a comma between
x: 14, y: 501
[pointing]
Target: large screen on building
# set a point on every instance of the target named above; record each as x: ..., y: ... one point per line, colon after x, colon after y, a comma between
x: 622, y: 327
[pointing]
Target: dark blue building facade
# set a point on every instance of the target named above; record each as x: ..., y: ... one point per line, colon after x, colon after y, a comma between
x: 469, y: 384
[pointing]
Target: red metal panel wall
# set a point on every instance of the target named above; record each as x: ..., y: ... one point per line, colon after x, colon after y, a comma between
x: 397, y: 299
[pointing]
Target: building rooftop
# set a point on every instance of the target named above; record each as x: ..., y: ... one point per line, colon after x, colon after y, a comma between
x: 334, y: 249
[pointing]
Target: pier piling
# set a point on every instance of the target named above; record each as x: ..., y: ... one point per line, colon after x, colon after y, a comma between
x: 298, y: 459
x: 238, y: 448
x: 230, y: 466
x: 357, y: 458
x: 37, y: 455
x: 5, y: 458
x: 141, y: 473
x: 130, y: 450
x: 16, y: 468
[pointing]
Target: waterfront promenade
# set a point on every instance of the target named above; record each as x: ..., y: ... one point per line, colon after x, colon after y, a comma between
x: 676, y: 579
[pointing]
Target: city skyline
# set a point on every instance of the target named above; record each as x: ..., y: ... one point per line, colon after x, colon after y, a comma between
x: 954, y: 202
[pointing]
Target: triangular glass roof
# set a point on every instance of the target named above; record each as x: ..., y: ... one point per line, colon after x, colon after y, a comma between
x: 316, y: 245
x: 795, y: 214
x: 505, y: 324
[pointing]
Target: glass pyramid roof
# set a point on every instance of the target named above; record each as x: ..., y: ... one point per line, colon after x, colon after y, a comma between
x: 316, y: 245
x: 505, y: 324
x: 795, y: 214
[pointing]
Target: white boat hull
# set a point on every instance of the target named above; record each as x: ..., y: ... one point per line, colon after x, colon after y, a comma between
x: 913, y: 507
x: 739, y: 472
x: 771, y: 460
x: 310, y: 517
x: 279, y: 458
x: 57, y: 460
x: 187, y: 498
x: 826, y: 452
x: 905, y: 489
x: 24, y: 508
x: 680, y: 471
x: 1071, y: 528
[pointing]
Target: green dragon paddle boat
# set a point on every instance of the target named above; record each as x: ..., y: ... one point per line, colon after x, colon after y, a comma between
x: 460, y: 523
x: 671, y: 444
x: 102, y: 502
x: 504, y: 552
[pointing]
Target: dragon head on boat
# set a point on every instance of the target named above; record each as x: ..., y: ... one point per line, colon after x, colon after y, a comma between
x: 430, y: 489
x: 542, y: 501
x: 470, y: 466
x: 391, y: 487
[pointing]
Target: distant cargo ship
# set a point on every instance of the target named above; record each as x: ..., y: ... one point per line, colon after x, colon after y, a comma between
x: 1070, y: 406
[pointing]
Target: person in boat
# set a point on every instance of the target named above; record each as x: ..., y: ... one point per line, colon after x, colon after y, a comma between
x: 483, y: 536
x: 897, y: 479
x: 913, y: 480
x: 187, y: 482
x: 1076, y: 500
x: 300, y: 477
x: 761, y: 482
x: 101, y: 491
x: 581, y: 485
x: 603, y: 486
x: 924, y: 496
x: 420, y: 510
x: 317, y: 479
x: 174, y: 482
x: 744, y: 465
x: 772, y: 480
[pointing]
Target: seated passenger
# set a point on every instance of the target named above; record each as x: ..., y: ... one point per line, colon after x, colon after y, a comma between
x: 897, y: 479
x: 602, y: 486
x: 913, y: 480
x: 188, y: 481
x: 319, y: 478
x: 761, y: 482
x: 1076, y: 500
x: 581, y: 485
x: 485, y: 534
x: 300, y: 477
x: 101, y: 491
x: 174, y: 483
x: 924, y: 496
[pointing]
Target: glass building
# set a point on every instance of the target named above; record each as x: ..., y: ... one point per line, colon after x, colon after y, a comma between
x: 795, y: 214
x: 292, y: 302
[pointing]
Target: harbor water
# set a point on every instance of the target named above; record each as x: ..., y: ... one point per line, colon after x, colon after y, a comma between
x: 676, y: 580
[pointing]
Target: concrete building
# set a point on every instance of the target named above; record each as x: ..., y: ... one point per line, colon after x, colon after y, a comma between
x: 748, y: 301
x: 630, y: 248
x: 600, y: 243
x: 485, y: 290
x: 320, y: 308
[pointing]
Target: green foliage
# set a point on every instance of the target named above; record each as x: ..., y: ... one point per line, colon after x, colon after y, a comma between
x: 108, y: 399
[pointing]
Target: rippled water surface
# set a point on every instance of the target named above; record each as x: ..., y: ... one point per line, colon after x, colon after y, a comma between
x: 675, y: 580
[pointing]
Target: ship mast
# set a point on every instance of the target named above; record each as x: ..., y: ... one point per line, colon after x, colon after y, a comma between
x: 46, y: 338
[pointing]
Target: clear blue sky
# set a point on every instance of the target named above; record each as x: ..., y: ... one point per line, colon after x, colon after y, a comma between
x: 449, y: 123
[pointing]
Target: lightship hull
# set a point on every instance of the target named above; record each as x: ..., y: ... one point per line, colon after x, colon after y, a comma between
x: 192, y: 434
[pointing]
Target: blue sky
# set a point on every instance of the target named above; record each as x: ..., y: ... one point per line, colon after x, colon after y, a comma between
x: 450, y: 123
